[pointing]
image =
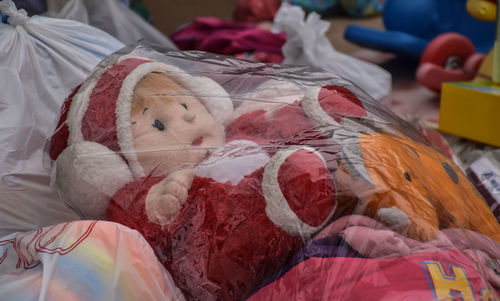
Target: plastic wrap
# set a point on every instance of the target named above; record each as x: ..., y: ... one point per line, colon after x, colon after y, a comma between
x: 271, y: 182
x: 41, y: 61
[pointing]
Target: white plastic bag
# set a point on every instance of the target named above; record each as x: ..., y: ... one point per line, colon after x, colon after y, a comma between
x: 112, y: 16
x: 306, y: 44
x: 41, y: 61
x: 84, y: 261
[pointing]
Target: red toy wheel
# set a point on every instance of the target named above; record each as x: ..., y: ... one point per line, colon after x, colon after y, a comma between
x: 448, y: 50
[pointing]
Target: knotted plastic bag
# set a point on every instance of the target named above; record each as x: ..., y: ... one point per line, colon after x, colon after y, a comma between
x: 41, y: 60
x: 111, y: 16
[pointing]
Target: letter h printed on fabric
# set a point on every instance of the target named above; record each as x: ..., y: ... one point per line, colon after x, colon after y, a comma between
x: 451, y: 285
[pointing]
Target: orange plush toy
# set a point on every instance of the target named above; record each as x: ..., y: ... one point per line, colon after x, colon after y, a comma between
x: 408, y: 186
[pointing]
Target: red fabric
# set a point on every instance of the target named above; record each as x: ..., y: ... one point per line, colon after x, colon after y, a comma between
x: 251, y: 125
x: 221, y: 246
x: 400, y: 278
x: 307, y: 186
x: 289, y: 126
x: 256, y: 10
x: 339, y: 102
x: 127, y: 207
x: 59, y: 140
x: 99, y: 121
x: 225, y: 37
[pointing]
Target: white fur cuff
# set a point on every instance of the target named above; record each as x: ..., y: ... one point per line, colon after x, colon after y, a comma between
x: 88, y: 174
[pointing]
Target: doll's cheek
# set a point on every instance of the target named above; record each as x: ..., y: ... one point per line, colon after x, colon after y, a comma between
x: 142, y: 128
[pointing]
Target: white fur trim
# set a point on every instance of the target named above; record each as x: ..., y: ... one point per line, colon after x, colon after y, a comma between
x: 213, y: 96
x: 277, y: 208
x: 394, y: 216
x: 315, y: 112
x: 88, y: 175
x: 352, y: 154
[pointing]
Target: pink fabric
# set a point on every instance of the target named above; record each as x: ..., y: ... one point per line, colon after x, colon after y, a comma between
x: 256, y: 10
x: 225, y: 37
x: 397, y: 268
x: 373, y: 240
x: 347, y: 278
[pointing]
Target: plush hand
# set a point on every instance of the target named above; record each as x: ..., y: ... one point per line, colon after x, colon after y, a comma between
x: 166, y: 198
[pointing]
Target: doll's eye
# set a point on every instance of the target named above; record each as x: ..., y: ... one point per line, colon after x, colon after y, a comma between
x: 184, y: 105
x: 159, y: 125
x: 407, y: 176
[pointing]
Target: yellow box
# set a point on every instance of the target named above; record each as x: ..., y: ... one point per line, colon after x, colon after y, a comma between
x: 471, y: 110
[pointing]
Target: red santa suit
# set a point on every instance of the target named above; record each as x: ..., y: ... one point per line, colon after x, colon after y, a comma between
x: 230, y: 233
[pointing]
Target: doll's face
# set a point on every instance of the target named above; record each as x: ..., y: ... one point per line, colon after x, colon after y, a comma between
x: 171, y: 128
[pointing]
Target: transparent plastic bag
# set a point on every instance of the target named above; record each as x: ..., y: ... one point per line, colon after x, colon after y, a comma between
x: 41, y: 61
x: 111, y: 16
x: 254, y: 180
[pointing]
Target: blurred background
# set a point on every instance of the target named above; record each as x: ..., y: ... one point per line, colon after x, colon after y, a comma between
x: 167, y: 19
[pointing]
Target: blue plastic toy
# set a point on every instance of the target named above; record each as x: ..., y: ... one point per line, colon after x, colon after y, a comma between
x: 362, y: 8
x: 353, y: 8
x: 412, y: 24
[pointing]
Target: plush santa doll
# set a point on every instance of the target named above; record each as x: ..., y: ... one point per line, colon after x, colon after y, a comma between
x: 143, y: 143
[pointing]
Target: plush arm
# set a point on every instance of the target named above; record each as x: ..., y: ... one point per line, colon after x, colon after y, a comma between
x: 299, y: 191
x: 128, y: 206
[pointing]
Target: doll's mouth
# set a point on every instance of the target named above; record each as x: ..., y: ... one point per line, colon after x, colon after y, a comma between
x: 197, y: 141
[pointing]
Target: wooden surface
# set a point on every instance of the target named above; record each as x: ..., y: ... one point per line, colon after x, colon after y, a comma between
x: 337, y: 28
x: 169, y: 15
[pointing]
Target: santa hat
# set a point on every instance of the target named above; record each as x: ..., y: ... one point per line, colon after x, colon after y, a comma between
x: 93, y: 146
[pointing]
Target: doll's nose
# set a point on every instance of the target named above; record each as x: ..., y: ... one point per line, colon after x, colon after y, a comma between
x: 188, y: 116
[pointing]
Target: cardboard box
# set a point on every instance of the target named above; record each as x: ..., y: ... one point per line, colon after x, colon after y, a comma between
x: 471, y: 110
